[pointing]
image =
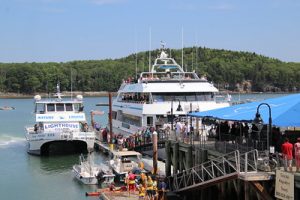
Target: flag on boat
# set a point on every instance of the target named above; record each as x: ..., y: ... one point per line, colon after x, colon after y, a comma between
x: 97, y: 112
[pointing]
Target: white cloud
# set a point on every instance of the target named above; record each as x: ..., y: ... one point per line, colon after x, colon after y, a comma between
x: 193, y: 6
x: 223, y: 7
x: 104, y: 2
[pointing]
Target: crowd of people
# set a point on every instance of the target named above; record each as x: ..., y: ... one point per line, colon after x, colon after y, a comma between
x: 149, y: 187
x: 141, y: 137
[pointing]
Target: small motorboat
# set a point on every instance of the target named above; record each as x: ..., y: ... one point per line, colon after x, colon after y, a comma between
x: 86, y: 172
x: 7, y: 108
x: 123, y: 162
x: 105, y: 176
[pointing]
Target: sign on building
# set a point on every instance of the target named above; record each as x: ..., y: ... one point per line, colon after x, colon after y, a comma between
x: 284, y: 185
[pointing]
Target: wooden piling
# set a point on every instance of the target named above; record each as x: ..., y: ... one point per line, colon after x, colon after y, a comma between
x: 189, y: 157
x: 168, y: 159
x: 154, y: 137
x: 175, y: 157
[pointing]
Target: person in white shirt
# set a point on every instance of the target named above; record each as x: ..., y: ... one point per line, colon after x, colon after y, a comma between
x: 178, y: 128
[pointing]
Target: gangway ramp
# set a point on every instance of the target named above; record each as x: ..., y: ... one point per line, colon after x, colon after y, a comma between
x: 229, y: 166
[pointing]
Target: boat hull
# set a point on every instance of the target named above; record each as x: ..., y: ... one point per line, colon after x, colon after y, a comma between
x: 59, y: 143
x: 87, y: 180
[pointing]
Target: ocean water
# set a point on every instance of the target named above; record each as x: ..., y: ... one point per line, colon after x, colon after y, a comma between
x: 28, y: 177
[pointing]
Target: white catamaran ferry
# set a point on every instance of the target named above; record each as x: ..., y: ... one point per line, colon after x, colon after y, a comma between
x: 60, y: 127
x: 150, y: 100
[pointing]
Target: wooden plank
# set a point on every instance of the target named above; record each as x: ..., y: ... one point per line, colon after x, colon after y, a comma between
x: 255, y: 176
x: 260, y: 190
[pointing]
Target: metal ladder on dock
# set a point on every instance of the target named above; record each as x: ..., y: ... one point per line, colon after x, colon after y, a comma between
x: 227, y: 167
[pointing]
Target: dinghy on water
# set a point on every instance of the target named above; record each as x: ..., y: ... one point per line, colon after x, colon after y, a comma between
x: 7, y: 108
x: 86, y: 172
x: 90, y: 173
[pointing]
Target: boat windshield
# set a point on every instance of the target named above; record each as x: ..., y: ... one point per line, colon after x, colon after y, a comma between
x: 128, y: 157
x: 39, y: 108
x: 183, y: 96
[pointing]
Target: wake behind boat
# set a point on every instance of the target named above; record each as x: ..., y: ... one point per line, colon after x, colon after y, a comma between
x: 60, y: 127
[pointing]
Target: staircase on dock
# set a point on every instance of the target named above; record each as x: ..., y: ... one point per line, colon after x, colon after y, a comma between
x: 229, y: 166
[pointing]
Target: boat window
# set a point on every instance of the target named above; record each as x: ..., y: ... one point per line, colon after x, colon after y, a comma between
x: 50, y: 107
x: 114, y: 114
x: 40, y: 108
x: 180, y: 97
x: 158, y: 98
x: 69, y: 107
x: 131, y: 119
x: 60, y: 107
x: 208, y: 96
x: 183, y: 96
x: 78, y: 107
x: 191, y: 97
x: 149, y: 121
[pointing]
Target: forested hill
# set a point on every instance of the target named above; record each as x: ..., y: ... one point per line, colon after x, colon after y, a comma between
x: 232, y: 70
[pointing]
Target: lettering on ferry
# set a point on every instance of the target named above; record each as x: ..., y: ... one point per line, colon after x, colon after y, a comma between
x: 62, y: 125
x: 76, y: 117
x: 45, y: 117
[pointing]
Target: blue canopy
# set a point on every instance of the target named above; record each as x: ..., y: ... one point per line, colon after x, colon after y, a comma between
x: 285, y: 111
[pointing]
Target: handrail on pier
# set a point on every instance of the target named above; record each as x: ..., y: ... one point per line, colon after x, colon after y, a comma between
x: 213, y: 171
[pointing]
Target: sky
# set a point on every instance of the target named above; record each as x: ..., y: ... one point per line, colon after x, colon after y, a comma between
x: 67, y: 30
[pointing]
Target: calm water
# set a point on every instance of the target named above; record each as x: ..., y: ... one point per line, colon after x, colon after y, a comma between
x: 27, y: 177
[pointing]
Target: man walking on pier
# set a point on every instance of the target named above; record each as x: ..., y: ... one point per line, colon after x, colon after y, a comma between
x: 287, y: 154
x: 297, y: 154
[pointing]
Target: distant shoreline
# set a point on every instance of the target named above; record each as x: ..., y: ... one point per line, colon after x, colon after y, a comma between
x: 9, y: 95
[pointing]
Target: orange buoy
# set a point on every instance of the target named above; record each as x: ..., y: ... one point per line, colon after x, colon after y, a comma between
x: 92, y: 194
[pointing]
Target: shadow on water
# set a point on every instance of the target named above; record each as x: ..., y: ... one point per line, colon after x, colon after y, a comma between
x: 63, y: 148
x: 55, y: 164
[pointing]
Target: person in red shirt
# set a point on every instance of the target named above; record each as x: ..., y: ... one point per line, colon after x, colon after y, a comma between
x: 297, y: 153
x: 287, y: 153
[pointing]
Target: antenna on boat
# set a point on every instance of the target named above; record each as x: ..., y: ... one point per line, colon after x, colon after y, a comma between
x: 182, y: 48
x: 196, y: 64
x: 58, y: 94
x: 71, y: 84
x: 47, y: 89
x: 149, y: 49
x: 163, y: 44
x: 136, y: 61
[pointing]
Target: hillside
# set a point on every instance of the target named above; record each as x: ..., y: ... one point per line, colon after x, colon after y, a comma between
x: 230, y: 70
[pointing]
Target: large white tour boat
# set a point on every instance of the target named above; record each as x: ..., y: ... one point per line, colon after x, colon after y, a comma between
x: 60, y: 127
x: 149, y: 101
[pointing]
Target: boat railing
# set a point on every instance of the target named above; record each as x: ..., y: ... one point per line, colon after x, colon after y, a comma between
x: 134, y: 101
x: 164, y: 76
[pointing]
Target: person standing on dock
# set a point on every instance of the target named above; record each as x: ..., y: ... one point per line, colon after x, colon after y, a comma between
x: 287, y: 154
x: 297, y: 154
x: 178, y: 128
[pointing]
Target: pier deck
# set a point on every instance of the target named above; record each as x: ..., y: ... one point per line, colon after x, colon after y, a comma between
x: 119, y: 195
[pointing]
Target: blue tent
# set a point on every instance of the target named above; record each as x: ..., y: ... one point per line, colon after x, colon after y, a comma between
x: 285, y: 111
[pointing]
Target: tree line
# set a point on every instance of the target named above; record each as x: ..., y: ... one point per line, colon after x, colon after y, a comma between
x: 230, y: 70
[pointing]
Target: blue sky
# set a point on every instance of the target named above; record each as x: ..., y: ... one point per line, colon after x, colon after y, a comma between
x: 66, y: 30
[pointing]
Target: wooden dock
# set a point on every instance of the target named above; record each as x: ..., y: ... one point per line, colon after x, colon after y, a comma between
x: 111, y: 195
x: 102, y: 146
